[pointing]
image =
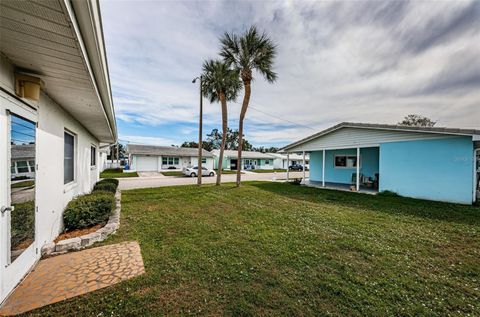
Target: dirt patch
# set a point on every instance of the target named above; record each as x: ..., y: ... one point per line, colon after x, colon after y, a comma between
x: 77, y: 233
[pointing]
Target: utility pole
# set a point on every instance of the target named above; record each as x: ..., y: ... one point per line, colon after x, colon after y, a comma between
x: 199, y: 171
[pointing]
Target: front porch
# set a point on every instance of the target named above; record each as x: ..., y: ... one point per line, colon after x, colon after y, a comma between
x: 347, y: 169
x: 339, y: 186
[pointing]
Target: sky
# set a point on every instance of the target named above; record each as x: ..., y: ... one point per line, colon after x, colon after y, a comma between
x: 355, y: 61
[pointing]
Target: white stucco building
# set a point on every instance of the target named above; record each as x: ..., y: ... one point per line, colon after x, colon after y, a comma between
x: 281, y: 161
x: 55, y: 45
x: 153, y: 158
x: 250, y: 160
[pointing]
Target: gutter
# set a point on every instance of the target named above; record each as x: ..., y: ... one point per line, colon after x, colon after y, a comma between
x: 100, y: 54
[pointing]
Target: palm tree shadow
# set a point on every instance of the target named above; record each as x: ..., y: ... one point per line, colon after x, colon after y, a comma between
x: 432, y: 210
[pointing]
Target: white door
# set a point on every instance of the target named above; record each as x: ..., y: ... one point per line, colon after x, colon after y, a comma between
x: 147, y: 163
x: 18, y: 248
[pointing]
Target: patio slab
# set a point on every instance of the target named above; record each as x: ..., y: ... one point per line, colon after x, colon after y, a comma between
x: 73, y: 274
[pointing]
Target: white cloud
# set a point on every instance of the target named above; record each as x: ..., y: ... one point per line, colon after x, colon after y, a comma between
x: 337, y: 61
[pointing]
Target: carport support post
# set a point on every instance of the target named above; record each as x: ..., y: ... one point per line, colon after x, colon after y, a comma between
x: 323, y: 168
x: 358, y: 169
x: 288, y: 164
x: 303, y: 167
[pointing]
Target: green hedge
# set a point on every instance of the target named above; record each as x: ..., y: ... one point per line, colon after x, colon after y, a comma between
x: 89, y: 210
x: 110, y: 181
x: 105, y: 186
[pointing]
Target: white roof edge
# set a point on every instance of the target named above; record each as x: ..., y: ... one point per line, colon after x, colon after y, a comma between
x: 85, y: 17
x: 434, y: 130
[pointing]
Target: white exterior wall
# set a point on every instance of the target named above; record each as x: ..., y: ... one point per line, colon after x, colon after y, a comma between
x: 51, y: 195
x: 184, y: 161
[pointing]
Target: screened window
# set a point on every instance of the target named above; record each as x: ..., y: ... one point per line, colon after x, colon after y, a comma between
x: 170, y: 160
x: 93, y: 156
x: 68, y: 158
x: 22, y: 167
x: 345, y: 161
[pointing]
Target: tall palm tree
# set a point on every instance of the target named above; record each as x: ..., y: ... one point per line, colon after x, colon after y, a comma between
x: 248, y: 52
x: 220, y: 84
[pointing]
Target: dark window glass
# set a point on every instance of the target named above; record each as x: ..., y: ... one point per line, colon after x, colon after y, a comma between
x: 340, y: 161
x: 93, y: 156
x: 68, y: 158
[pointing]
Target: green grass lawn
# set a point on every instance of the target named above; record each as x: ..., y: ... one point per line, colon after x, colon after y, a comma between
x: 22, y: 184
x: 172, y: 173
x: 269, y: 171
x: 225, y: 172
x: 280, y: 249
x: 116, y: 173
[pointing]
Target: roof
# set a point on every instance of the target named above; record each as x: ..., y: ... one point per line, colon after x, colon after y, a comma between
x: 26, y: 151
x: 390, y: 127
x: 61, y: 42
x: 291, y: 156
x: 138, y: 149
x: 245, y: 154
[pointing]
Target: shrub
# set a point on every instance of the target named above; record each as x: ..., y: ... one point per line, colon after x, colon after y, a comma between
x: 88, y: 210
x: 296, y: 181
x: 105, y: 186
x: 110, y: 180
x: 388, y: 193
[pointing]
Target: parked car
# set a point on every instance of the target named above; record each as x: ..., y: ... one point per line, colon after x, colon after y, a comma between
x: 193, y: 170
x: 296, y: 167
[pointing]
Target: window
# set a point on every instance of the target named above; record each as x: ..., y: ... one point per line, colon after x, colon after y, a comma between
x: 93, y: 156
x: 32, y: 166
x: 68, y: 157
x: 204, y: 160
x: 345, y: 161
x: 267, y: 162
x: 22, y: 167
x: 170, y: 160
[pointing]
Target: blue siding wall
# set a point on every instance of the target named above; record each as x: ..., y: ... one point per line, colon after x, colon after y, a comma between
x: 369, y: 158
x: 431, y: 169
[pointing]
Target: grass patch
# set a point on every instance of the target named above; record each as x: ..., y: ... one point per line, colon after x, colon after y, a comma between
x: 278, y: 249
x: 173, y: 173
x: 226, y: 172
x: 22, y: 184
x: 269, y: 171
x: 116, y: 173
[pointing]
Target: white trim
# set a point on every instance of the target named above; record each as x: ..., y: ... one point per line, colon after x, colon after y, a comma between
x: 358, y: 169
x: 323, y: 168
x: 304, y: 167
x: 475, y: 174
x: 288, y: 167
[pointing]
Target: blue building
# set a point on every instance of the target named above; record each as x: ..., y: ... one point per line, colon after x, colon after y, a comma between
x: 421, y: 162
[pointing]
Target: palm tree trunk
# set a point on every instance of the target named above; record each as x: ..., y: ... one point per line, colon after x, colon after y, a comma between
x: 246, y: 100
x: 223, y: 102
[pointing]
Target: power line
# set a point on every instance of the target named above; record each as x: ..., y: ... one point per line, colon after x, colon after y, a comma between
x: 280, y: 118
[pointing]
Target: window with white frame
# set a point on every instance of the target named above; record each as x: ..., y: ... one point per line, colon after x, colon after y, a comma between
x: 345, y: 161
x: 68, y: 157
x: 170, y: 160
x: 93, y: 156
x: 204, y: 160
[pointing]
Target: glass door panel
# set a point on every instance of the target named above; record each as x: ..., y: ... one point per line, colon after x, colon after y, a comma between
x: 22, y: 185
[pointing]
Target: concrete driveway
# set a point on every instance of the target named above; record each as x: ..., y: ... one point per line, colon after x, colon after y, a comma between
x: 161, y: 181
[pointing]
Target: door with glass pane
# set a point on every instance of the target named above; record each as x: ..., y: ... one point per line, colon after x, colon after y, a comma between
x: 18, y: 208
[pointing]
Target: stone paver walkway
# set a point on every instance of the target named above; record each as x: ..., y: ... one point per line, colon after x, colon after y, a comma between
x: 65, y: 276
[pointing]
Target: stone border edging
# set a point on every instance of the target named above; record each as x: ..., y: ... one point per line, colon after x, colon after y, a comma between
x: 78, y: 243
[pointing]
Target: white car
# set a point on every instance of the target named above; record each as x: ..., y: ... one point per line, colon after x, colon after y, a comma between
x: 193, y: 170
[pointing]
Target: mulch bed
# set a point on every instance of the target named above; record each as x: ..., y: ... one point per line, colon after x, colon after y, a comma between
x: 77, y: 233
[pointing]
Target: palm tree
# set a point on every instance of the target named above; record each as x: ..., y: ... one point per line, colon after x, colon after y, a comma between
x: 248, y: 52
x: 220, y: 84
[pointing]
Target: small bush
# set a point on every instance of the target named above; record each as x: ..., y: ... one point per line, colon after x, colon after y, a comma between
x: 388, y: 193
x: 110, y: 180
x: 88, y: 210
x: 105, y: 186
x: 296, y: 181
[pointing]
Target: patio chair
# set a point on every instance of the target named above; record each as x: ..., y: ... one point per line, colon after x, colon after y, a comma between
x: 354, y: 178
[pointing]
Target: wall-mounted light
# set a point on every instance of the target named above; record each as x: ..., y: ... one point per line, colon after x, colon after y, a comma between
x: 28, y: 86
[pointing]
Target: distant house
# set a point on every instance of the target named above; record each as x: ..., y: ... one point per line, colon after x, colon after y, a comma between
x: 421, y: 162
x: 152, y: 158
x: 56, y: 112
x: 250, y: 160
x: 281, y: 161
